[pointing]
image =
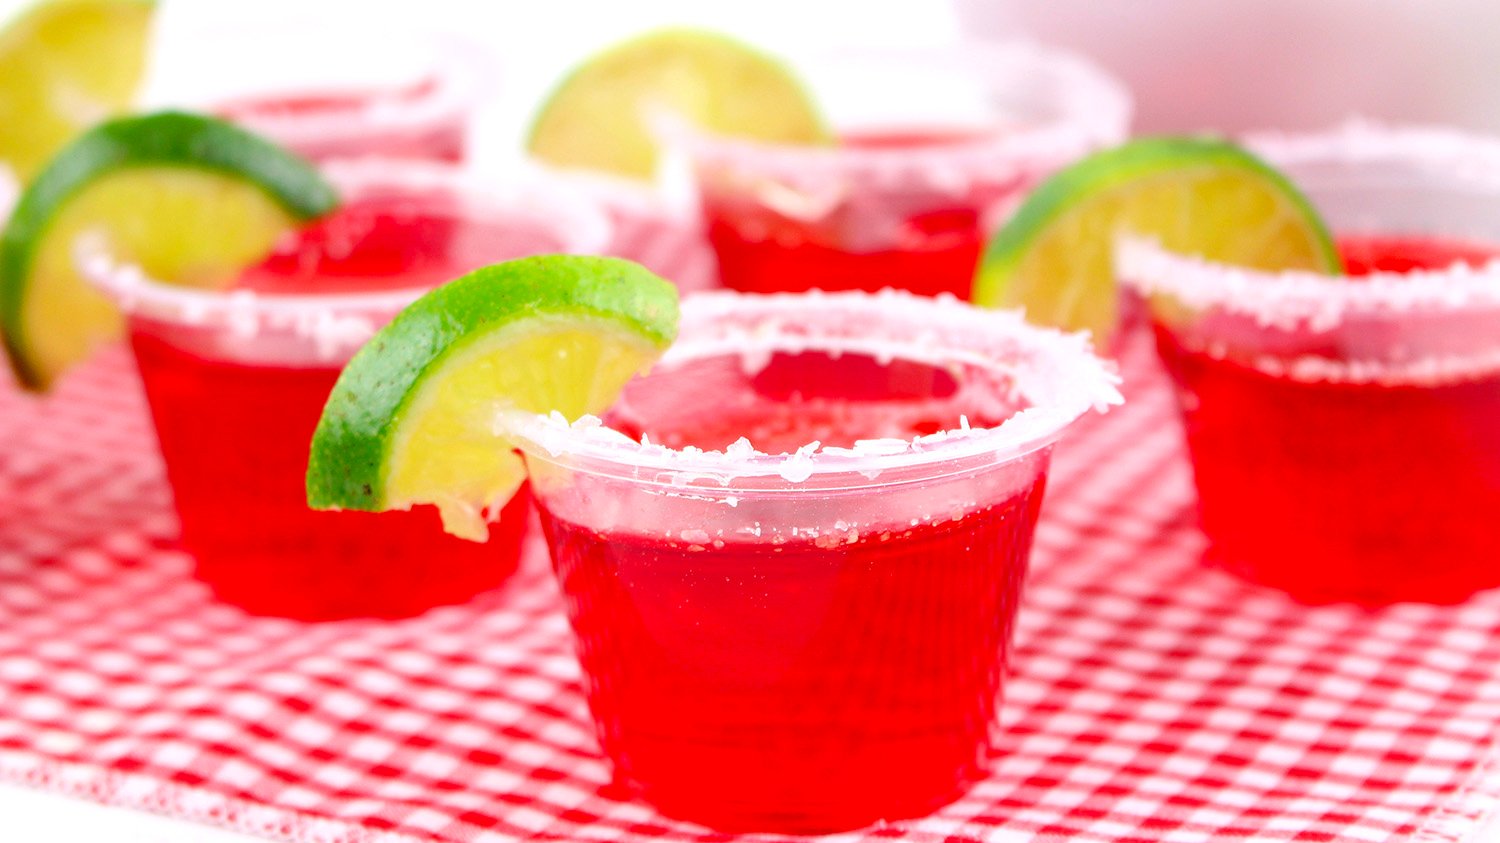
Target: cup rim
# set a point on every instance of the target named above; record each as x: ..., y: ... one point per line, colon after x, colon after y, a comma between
x: 581, y: 227
x: 1096, y: 111
x: 1439, y: 149
x: 726, y: 322
x: 462, y: 73
x: 1294, y: 297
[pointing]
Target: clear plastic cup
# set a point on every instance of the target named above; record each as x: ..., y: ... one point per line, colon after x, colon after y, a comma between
x: 236, y: 382
x: 809, y: 633
x: 936, y: 148
x: 373, y: 90
x: 1342, y: 430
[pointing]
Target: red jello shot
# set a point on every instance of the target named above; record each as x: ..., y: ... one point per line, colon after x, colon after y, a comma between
x: 236, y: 381
x: 372, y: 90
x: 934, y: 150
x: 1343, y: 431
x: 793, y: 552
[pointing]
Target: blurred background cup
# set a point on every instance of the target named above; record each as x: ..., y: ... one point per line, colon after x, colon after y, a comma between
x: 934, y: 148
x: 657, y: 222
x: 236, y: 381
x: 1343, y: 433
x: 367, y: 87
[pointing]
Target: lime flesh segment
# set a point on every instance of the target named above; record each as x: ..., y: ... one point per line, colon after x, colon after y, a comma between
x: 189, y: 199
x: 1198, y: 196
x: 64, y: 66
x: 599, y: 116
x: 411, y: 419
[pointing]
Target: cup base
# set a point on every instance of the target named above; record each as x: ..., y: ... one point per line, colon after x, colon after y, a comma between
x: 1448, y: 584
x: 801, y: 819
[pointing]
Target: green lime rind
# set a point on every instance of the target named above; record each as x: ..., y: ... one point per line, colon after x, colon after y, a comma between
x: 1120, y: 170
x: 170, y: 138
x: 362, y: 419
x: 726, y: 85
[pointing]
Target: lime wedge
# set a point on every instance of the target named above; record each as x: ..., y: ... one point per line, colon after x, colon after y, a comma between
x: 598, y: 117
x: 1198, y: 196
x: 64, y: 66
x: 189, y: 199
x: 411, y: 418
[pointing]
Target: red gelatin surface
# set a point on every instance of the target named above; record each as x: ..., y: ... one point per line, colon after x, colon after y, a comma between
x: 369, y: 244
x: 799, y: 398
x: 1365, y: 253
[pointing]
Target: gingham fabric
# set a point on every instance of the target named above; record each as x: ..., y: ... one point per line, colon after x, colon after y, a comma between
x: 1152, y: 699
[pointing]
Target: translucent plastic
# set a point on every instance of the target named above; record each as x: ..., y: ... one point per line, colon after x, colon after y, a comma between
x: 796, y: 635
x: 1342, y: 429
x: 938, y: 151
x: 372, y: 90
x: 237, y: 380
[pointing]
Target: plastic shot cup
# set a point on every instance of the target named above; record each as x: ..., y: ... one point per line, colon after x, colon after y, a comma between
x: 373, y: 90
x: 793, y: 552
x: 236, y: 381
x: 934, y: 150
x: 1342, y: 430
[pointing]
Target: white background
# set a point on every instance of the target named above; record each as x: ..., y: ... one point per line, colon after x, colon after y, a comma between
x: 533, y: 44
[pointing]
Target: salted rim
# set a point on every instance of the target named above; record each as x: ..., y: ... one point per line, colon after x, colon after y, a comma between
x: 1299, y: 297
x: 728, y: 322
x: 580, y: 227
x: 1472, y: 157
x: 1289, y: 298
x: 1094, y: 109
x: 460, y: 72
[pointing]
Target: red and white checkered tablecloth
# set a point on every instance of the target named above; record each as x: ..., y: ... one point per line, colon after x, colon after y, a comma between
x: 1153, y: 699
